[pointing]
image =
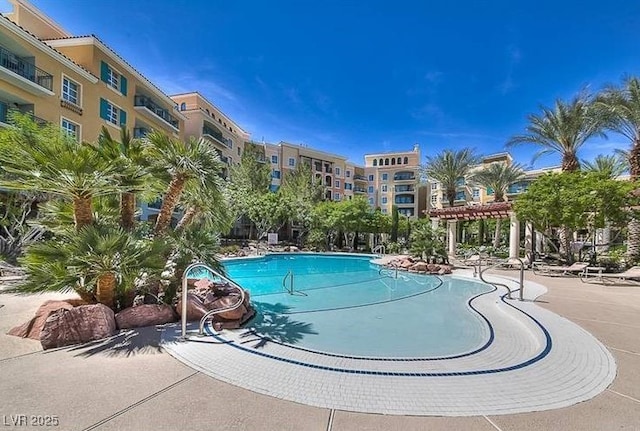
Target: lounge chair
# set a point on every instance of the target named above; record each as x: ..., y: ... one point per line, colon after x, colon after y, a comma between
x: 574, y: 270
x: 631, y: 275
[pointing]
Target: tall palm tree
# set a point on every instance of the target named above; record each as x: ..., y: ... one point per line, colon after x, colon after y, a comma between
x: 47, y: 160
x: 194, y: 163
x: 132, y: 174
x: 562, y: 130
x: 498, y: 176
x: 610, y: 166
x: 621, y: 107
x: 448, y: 167
x: 206, y: 206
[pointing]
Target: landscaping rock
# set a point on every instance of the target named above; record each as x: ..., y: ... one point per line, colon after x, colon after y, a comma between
x: 227, y: 301
x: 145, y: 315
x: 33, y: 327
x: 195, y: 307
x: 419, y: 266
x: 77, y: 325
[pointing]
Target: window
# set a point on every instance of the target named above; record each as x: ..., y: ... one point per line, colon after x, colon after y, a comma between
x: 476, y: 193
x: 274, y: 188
x: 490, y: 191
x: 384, y: 200
x: 434, y: 199
x: 275, y: 174
x: 460, y: 181
x: 348, y: 186
x: 183, y: 106
x: 71, y: 128
x: 434, y: 186
x: 406, y: 160
x: 292, y: 161
x: 238, y: 150
x: 112, y: 114
x: 370, y: 177
x: 370, y: 189
x: 399, y: 160
x: 393, y: 161
x: 347, y: 174
x: 375, y: 162
x: 386, y: 162
x: 336, y: 196
x: 113, y: 78
x: 385, y: 177
x: 337, y: 171
x: 460, y: 196
x: 370, y: 201
x: 70, y: 91
x: 384, y: 188
x: 384, y: 210
x: 274, y: 159
x: 337, y: 184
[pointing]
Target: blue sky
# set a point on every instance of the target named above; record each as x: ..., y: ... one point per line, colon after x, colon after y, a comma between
x: 363, y: 77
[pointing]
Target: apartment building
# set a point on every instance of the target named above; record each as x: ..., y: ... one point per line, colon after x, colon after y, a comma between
x: 468, y: 193
x: 204, y: 119
x: 393, y: 179
x: 77, y: 82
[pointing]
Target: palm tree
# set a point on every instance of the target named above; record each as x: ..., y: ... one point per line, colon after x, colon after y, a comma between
x: 206, y: 206
x: 621, y: 107
x: 47, y: 160
x: 498, y: 176
x: 562, y: 130
x: 132, y: 174
x: 610, y: 166
x: 448, y: 167
x: 192, y: 163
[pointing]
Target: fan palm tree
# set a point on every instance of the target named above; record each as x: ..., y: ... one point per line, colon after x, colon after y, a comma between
x: 206, y: 206
x: 448, y: 167
x: 562, y: 130
x: 621, y: 107
x: 192, y: 163
x: 610, y: 166
x: 498, y: 176
x: 132, y: 175
x: 47, y: 160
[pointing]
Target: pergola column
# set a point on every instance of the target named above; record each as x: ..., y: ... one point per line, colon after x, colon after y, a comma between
x: 435, y: 223
x: 529, y: 246
x: 514, y: 236
x: 452, y: 226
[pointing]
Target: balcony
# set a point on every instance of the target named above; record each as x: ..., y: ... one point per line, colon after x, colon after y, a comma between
x: 145, y: 104
x: 140, y: 132
x: 23, y: 73
x: 404, y: 176
x: 359, y: 190
x: 405, y: 188
x: 328, y: 169
x: 216, y: 135
x: 404, y: 199
x: 359, y: 178
x: 4, y: 116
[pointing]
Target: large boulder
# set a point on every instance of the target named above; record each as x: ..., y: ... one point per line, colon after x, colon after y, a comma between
x: 33, y: 327
x: 77, y: 325
x: 195, y: 307
x: 419, y: 267
x: 145, y: 315
x: 227, y: 301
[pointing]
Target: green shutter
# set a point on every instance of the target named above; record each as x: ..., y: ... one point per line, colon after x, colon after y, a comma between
x: 104, y: 71
x: 104, y: 109
x: 123, y: 118
x: 123, y: 85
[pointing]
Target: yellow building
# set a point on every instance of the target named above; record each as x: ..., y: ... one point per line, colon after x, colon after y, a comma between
x: 76, y: 82
x: 393, y: 179
x: 204, y: 119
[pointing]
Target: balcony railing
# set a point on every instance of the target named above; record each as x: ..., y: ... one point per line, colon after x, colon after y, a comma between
x: 359, y: 190
x: 360, y: 177
x: 328, y: 169
x: 217, y: 134
x: 26, y: 69
x: 156, y: 109
x: 404, y: 177
x: 405, y: 188
x: 4, y: 115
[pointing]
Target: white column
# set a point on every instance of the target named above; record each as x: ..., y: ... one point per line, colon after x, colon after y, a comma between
x: 528, y: 243
x: 435, y: 223
x: 451, y: 235
x: 539, y: 242
x: 514, y: 236
x: 603, y: 236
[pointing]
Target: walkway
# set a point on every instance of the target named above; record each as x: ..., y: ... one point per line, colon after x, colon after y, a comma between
x: 128, y: 383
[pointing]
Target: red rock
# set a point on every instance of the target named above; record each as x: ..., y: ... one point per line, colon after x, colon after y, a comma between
x: 419, y: 266
x: 203, y: 284
x: 145, y: 315
x: 195, y: 307
x: 227, y: 301
x: 77, y: 325
x: 433, y: 268
x: 406, y: 263
x: 33, y: 327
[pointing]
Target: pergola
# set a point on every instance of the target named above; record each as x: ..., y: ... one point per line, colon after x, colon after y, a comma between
x: 497, y: 210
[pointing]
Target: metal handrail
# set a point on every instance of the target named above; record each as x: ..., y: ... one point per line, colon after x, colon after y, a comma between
x: 291, y: 290
x: 210, y: 313
x: 378, y: 248
x: 504, y: 262
x: 388, y: 270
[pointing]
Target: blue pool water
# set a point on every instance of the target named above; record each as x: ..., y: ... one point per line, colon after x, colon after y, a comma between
x: 343, y: 304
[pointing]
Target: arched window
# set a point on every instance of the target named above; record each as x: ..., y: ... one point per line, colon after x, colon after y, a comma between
x: 207, y: 111
x: 375, y: 162
x: 183, y: 106
x: 380, y: 162
x: 406, y: 160
x: 393, y: 161
x: 327, y: 181
x: 386, y: 162
x: 399, y: 160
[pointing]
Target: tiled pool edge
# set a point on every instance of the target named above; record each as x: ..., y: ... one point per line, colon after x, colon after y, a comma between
x: 554, y: 383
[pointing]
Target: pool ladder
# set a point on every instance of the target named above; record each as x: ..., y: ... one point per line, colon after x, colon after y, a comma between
x: 477, y: 269
x: 378, y: 248
x: 210, y: 313
x: 290, y: 290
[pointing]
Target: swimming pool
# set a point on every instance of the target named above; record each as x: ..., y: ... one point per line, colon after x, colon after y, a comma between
x: 345, y: 305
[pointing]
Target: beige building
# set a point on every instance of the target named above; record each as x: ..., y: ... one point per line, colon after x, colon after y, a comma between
x: 393, y: 179
x: 204, y: 119
x: 75, y: 81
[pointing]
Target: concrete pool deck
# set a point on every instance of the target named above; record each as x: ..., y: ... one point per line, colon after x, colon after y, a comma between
x: 128, y: 382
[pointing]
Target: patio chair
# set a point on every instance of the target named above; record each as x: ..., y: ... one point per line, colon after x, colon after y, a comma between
x: 573, y: 270
x: 631, y: 275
